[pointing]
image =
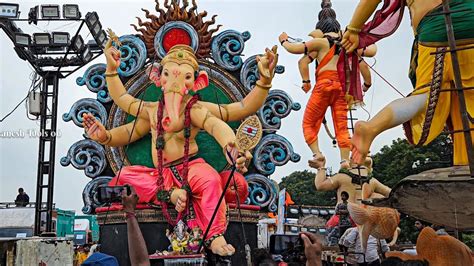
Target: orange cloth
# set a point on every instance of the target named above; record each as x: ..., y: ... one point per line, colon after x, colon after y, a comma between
x: 288, y: 199
x: 327, y: 92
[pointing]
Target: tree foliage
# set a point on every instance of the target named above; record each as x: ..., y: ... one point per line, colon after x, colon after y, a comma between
x: 399, y: 160
x: 300, y: 185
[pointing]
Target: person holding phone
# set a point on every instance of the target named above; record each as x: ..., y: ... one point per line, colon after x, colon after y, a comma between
x: 136, y: 243
x: 312, y: 249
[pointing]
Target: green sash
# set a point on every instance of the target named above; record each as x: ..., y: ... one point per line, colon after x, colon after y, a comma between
x: 432, y: 29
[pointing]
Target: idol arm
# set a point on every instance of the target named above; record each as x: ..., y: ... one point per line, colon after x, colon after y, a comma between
x: 299, y: 47
x: 363, y: 11
x: 324, y: 183
x: 303, y: 65
x: 120, y: 136
x: 239, y: 110
x: 202, y: 118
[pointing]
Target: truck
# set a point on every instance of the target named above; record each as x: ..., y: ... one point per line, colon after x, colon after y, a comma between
x: 86, y: 229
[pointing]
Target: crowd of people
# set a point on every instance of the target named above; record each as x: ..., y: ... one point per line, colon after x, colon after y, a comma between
x: 349, y: 242
x: 347, y: 237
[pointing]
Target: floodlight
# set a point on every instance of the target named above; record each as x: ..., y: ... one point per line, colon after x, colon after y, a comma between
x: 9, y: 10
x: 50, y: 11
x: 71, y: 11
x: 33, y: 15
x: 42, y: 39
x: 60, y: 38
x: 101, y: 38
x: 22, y: 39
x: 95, y: 30
x: 78, y: 43
x: 86, y: 54
x: 91, y: 19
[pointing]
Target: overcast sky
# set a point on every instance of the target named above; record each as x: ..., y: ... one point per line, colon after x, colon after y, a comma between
x: 264, y: 19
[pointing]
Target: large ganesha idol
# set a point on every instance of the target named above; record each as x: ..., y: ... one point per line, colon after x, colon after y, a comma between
x: 178, y: 176
x: 167, y: 105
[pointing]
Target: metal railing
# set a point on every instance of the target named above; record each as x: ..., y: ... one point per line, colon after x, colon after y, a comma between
x: 11, y: 205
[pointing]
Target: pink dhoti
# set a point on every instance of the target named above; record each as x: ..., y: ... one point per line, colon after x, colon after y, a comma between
x: 205, y: 183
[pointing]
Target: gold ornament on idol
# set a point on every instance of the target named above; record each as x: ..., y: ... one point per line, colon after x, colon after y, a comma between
x: 181, y: 54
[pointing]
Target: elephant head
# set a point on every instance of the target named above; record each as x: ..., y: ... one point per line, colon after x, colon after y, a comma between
x: 177, y: 75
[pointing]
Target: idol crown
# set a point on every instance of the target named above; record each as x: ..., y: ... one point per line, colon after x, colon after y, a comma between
x: 181, y: 54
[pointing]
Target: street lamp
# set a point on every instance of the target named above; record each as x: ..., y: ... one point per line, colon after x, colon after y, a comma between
x: 46, y: 53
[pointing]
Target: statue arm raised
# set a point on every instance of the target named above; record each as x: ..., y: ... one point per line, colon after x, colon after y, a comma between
x: 313, y: 45
x: 365, y: 8
x: 363, y: 11
x: 117, y: 91
x: 256, y: 98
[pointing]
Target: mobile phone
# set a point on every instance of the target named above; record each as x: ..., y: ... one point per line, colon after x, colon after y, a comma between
x: 285, y: 244
x: 111, y: 194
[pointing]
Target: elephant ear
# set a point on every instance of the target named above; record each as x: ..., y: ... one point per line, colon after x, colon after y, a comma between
x: 155, y: 74
x: 201, y: 82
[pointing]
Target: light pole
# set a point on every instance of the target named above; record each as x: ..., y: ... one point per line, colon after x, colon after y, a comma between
x: 53, y: 56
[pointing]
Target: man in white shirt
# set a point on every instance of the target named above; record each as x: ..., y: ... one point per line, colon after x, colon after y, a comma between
x: 351, y: 240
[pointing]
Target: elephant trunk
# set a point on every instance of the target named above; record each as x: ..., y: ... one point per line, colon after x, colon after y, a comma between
x: 173, y: 101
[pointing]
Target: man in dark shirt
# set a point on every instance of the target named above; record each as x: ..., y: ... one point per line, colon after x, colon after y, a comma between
x: 341, y: 210
x: 22, y: 199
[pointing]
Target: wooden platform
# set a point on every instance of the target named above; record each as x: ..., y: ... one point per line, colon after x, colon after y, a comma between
x: 442, y: 196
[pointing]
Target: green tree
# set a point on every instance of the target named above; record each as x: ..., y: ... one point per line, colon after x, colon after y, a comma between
x: 300, y: 185
x: 399, y: 160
